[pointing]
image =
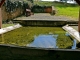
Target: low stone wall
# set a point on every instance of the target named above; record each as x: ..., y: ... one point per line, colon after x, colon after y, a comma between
x: 26, y: 53
x: 42, y: 23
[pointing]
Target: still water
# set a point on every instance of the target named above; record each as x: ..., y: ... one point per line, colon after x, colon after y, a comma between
x: 45, y: 37
x: 47, y: 41
x: 44, y: 41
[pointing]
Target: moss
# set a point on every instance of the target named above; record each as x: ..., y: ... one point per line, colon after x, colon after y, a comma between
x: 25, y: 35
x: 64, y: 41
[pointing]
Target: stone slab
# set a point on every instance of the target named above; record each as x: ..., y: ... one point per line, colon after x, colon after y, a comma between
x: 43, y: 16
x: 72, y: 32
x: 4, y: 30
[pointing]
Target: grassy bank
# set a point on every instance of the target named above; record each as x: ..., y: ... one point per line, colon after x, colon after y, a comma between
x: 71, y: 12
x: 6, y: 25
x: 63, y: 9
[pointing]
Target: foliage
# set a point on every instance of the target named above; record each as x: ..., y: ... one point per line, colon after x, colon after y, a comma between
x: 38, y: 9
x: 11, y: 6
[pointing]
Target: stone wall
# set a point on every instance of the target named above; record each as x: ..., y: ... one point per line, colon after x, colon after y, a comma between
x: 6, y: 15
x: 27, y: 53
x: 14, y: 8
x: 42, y: 23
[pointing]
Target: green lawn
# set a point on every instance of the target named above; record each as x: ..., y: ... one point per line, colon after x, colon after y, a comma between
x: 71, y: 12
x: 6, y: 25
x: 62, y: 9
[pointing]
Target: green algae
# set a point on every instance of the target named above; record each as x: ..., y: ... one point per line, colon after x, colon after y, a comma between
x: 25, y: 35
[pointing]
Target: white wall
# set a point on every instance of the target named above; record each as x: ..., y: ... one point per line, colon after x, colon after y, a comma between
x: 50, y: 0
x: 68, y: 1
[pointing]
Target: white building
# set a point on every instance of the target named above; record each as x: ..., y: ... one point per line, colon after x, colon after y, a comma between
x: 71, y: 1
x: 50, y: 0
x: 68, y: 1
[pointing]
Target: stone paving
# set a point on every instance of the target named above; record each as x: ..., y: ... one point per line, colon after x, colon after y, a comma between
x: 43, y: 16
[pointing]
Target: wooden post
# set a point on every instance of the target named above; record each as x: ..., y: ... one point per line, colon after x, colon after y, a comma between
x: 79, y: 21
x: 78, y: 1
x: 1, y: 3
x: 0, y: 18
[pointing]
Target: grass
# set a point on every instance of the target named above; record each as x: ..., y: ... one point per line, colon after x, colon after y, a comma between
x: 71, y: 12
x: 6, y: 25
x: 63, y: 9
x: 25, y: 35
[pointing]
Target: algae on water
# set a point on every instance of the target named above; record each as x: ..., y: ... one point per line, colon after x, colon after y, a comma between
x: 25, y: 35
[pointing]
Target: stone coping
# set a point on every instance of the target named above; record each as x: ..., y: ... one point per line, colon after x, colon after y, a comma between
x: 72, y: 32
x: 43, y: 17
x: 4, y: 30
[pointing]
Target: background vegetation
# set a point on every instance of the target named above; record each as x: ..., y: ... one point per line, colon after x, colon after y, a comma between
x: 14, y: 8
x: 62, y: 9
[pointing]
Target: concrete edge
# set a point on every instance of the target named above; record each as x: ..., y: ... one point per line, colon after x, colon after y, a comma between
x: 72, y: 32
x: 7, y: 29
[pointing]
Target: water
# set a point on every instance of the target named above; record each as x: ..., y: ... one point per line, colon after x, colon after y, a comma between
x: 45, y: 37
x: 44, y: 41
x: 74, y: 41
x: 74, y: 44
x: 47, y: 41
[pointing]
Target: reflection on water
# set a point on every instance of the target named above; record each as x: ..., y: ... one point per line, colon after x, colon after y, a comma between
x: 74, y: 44
x: 44, y: 41
x: 47, y: 41
x: 25, y: 35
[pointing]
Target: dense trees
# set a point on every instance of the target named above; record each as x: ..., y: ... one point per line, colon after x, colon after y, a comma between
x: 11, y: 5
